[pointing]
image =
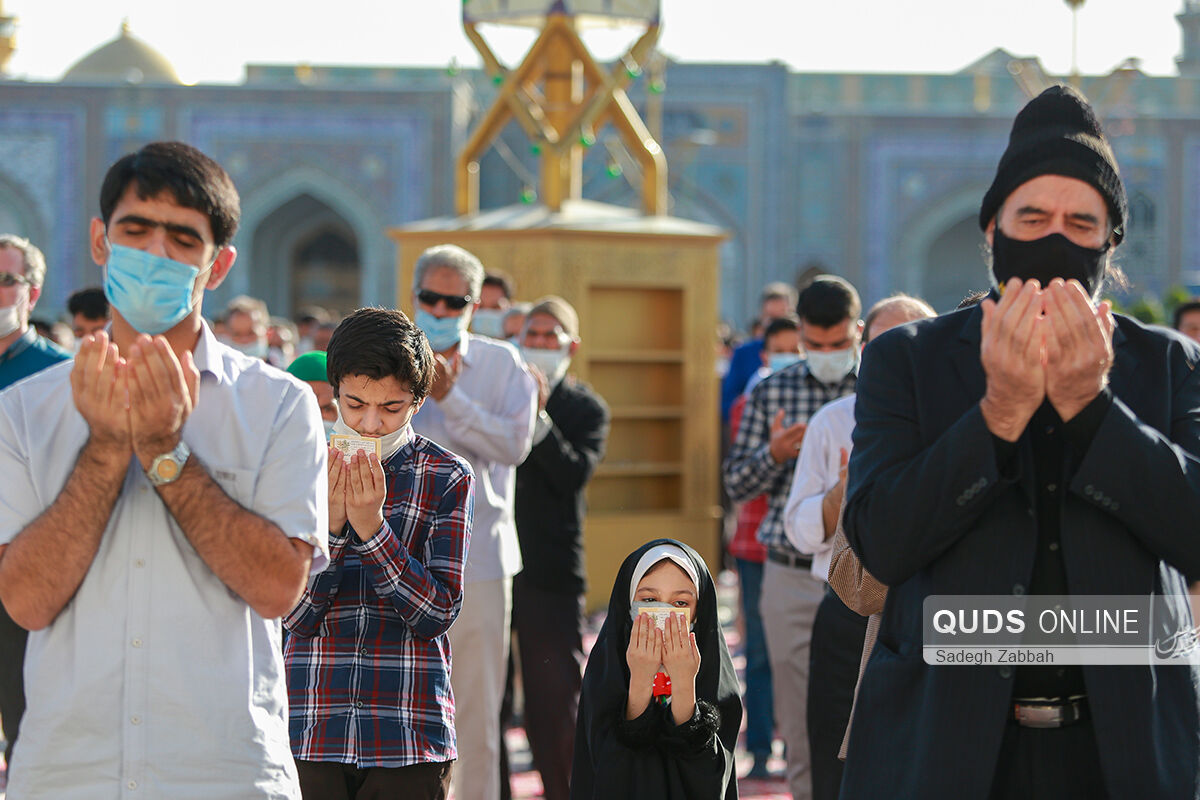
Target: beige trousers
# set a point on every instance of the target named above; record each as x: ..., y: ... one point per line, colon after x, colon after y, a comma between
x: 790, y: 597
x: 479, y: 641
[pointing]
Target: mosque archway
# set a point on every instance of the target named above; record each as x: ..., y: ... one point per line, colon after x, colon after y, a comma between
x: 939, y: 254
x: 305, y: 253
x: 954, y: 265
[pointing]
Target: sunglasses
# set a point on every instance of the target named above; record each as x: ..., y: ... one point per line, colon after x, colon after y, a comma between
x: 453, y: 302
x: 12, y: 279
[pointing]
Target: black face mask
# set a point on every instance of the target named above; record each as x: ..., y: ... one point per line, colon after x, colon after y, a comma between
x: 1053, y: 256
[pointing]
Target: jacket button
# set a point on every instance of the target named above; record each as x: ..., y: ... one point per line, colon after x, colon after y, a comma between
x: 1019, y: 589
x: 1006, y: 672
x: 1089, y: 490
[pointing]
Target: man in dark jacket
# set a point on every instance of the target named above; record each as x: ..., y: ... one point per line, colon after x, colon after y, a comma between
x: 568, y: 441
x: 1037, y: 444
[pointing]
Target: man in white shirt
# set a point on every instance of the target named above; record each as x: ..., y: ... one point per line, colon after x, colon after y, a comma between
x: 483, y: 406
x: 810, y: 518
x: 164, y: 499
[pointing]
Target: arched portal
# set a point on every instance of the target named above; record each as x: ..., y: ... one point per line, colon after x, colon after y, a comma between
x: 954, y: 266
x: 939, y: 252
x: 305, y: 253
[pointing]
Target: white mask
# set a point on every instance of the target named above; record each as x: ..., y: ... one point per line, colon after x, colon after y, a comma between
x: 10, y: 319
x: 389, y: 443
x: 488, y: 322
x: 256, y: 349
x: 832, y: 366
x: 552, y: 363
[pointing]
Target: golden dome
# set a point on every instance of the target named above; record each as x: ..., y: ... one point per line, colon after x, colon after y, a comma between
x: 126, y: 59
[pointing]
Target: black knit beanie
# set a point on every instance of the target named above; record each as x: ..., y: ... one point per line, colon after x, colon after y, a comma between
x: 1057, y: 133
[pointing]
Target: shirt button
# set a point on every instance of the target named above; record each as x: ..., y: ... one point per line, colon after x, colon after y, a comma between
x: 358, y: 703
x: 1006, y: 672
x: 132, y: 784
x: 362, y: 652
x: 1051, y: 487
x: 139, y: 562
x: 1019, y: 589
x: 136, y: 642
x: 135, y: 719
x: 1054, y: 546
x: 1049, y: 429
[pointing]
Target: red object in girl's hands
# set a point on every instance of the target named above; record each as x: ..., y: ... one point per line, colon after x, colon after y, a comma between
x: 662, y: 685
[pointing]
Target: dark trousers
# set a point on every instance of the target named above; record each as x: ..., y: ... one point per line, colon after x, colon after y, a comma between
x: 506, y: 722
x: 759, y: 699
x: 331, y: 780
x: 1045, y: 763
x: 837, y: 642
x: 549, y: 628
x: 12, y: 682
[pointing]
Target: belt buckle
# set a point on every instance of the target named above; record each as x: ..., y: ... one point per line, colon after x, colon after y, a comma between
x: 1032, y: 715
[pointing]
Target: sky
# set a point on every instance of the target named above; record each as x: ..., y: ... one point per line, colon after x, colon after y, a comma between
x: 211, y: 41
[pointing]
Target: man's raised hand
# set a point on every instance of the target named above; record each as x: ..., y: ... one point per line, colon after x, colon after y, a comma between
x: 99, y: 386
x: 163, y: 391
x: 785, y: 439
x: 1079, y: 351
x: 1011, y: 354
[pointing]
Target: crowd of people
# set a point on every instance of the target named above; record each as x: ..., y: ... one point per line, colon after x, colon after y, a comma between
x: 252, y: 557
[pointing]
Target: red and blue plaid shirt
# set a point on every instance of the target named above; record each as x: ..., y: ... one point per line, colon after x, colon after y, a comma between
x: 368, y: 658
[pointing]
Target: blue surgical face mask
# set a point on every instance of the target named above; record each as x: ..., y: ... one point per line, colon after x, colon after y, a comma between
x: 153, y: 293
x: 442, y: 333
x: 778, y: 361
x: 488, y: 322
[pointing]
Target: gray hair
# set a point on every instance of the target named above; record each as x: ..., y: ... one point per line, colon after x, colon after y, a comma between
x: 35, y: 262
x: 450, y: 256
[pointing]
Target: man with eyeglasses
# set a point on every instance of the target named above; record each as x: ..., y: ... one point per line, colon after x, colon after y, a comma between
x: 483, y: 406
x: 22, y: 353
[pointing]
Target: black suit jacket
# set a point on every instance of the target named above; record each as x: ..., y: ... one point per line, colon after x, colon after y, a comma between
x: 550, y: 483
x: 928, y: 513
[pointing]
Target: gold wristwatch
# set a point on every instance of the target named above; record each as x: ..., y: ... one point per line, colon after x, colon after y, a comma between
x: 168, y: 467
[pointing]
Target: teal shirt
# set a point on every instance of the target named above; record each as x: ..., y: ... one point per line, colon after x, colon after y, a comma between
x: 28, y: 354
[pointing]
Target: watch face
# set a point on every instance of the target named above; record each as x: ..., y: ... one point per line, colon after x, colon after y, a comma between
x: 167, y: 470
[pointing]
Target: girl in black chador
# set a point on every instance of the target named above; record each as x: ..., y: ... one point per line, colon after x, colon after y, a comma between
x: 659, y: 712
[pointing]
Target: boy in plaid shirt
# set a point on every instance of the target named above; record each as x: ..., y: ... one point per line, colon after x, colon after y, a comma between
x: 368, y: 658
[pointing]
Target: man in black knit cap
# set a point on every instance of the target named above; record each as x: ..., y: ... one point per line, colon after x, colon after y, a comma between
x: 1037, y: 444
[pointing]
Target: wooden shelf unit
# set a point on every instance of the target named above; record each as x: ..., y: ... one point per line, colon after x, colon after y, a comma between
x: 646, y: 293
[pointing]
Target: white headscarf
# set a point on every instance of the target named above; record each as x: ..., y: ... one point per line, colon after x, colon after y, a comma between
x: 653, y: 556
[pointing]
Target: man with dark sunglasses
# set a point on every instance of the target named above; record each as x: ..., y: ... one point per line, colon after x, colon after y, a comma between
x: 22, y: 353
x: 483, y: 406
